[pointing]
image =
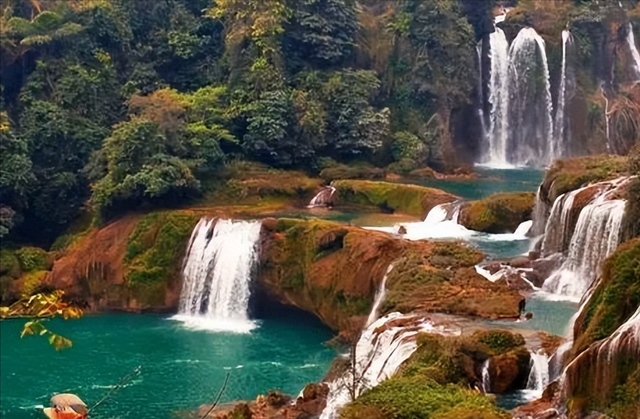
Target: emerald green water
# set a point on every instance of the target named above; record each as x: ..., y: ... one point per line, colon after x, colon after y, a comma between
x: 489, y: 181
x: 180, y: 369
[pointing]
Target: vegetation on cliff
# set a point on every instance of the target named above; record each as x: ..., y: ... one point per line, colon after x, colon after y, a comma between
x: 434, y: 382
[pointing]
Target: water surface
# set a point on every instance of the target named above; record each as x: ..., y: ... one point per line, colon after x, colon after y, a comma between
x: 180, y: 368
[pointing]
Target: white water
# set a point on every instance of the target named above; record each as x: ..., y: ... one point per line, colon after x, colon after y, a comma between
x: 539, y: 375
x: 595, y: 237
x: 557, y: 229
x: 382, y: 292
x: 217, y: 272
x: 323, y: 198
x: 530, y: 105
x: 560, y: 145
x: 635, y: 55
x: 380, y: 351
x: 486, y: 378
x: 540, y: 210
x: 523, y: 229
x: 496, y: 154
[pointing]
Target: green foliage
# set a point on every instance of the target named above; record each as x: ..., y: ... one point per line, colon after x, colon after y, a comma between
x: 616, y: 297
x: 498, y: 213
x: 407, y: 398
x: 499, y: 341
x: 32, y: 259
x: 155, y: 248
x: 9, y: 264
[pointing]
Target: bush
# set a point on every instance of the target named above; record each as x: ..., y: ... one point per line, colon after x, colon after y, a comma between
x: 33, y: 259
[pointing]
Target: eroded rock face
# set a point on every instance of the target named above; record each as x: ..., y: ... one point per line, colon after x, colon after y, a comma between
x: 334, y: 271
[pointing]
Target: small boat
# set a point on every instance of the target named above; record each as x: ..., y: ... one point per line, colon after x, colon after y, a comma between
x: 66, y: 406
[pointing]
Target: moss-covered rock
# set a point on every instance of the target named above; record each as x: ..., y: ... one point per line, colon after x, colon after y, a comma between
x: 409, y: 199
x: 571, y: 174
x: 411, y: 398
x: 334, y: 271
x: 434, y: 381
x: 615, y: 299
x: 153, y: 254
x: 603, y: 373
x: 498, y: 213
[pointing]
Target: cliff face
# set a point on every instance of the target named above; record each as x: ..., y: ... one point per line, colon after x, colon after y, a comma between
x: 604, y: 373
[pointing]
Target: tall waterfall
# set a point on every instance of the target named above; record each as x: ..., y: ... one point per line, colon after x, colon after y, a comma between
x: 557, y: 229
x: 561, y: 119
x: 496, y: 154
x: 530, y: 105
x: 594, y: 238
x: 218, y: 267
x: 635, y: 55
x: 539, y: 374
x: 381, y: 349
x: 382, y: 292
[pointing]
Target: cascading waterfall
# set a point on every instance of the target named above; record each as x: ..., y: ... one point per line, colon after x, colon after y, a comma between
x: 381, y: 349
x: 496, y: 154
x: 560, y: 144
x: 635, y: 55
x: 557, y: 229
x: 540, y: 210
x: 530, y: 105
x: 486, y: 378
x: 595, y: 237
x: 217, y: 272
x: 539, y: 374
x: 599, y: 360
x: 382, y: 292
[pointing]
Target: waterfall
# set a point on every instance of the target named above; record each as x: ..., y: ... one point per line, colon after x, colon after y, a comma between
x: 381, y: 349
x: 558, y: 227
x: 539, y: 374
x: 523, y: 229
x: 481, y: 91
x: 540, y: 210
x: 635, y: 55
x: 486, y: 378
x: 498, y: 133
x: 599, y: 360
x: 324, y: 198
x: 530, y: 105
x: 382, y: 292
x: 595, y: 237
x: 561, y: 119
x: 218, y: 267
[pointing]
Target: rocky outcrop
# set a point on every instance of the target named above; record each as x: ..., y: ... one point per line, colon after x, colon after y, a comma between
x: 333, y: 271
x: 390, y: 197
x: 498, y: 213
x: 604, y: 370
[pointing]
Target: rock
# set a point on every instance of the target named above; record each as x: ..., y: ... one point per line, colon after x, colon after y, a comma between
x: 520, y: 262
x: 498, y: 213
x: 402, y: 230
x: 270, y: 223
x: 508, y: 371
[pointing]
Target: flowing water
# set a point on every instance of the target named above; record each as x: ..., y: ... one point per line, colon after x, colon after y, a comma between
x: 220, y: 262
x: 496, y: 154
x: 635, y: 55
x: 180, y: 368
x: 560, y: 128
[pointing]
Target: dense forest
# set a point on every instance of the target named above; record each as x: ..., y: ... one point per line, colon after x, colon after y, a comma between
x: 112, y: 104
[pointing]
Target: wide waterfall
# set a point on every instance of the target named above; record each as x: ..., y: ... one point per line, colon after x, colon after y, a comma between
x: 635, y: 55
x: 530, y: 106
x: 496, y: 154
x: 594, y: 238
x: 521, y: 129
x: 381, y: 349
x: 560, y: 128
x: 218, y: 267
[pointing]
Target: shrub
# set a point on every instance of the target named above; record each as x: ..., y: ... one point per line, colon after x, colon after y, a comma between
x: 33, y: 259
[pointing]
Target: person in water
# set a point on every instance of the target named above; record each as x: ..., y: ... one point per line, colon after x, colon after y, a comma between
x: 66, y: 406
